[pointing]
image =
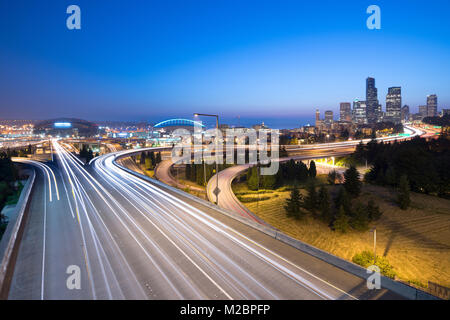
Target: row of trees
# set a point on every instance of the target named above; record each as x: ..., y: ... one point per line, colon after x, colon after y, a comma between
x: 149, y: 159
x: 341, y: 214
x: 86, y: 153
x: 289, y: 173
x: 196, y: 172
x: 425, y: 165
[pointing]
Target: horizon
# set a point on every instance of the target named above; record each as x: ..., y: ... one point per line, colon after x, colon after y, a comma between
x: 275, y: 61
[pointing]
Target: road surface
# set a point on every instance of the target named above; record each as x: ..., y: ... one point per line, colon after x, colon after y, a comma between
x: 132, y: 239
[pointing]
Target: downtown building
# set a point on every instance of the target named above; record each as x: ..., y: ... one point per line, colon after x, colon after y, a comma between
x: 373, y: 106
x: 359, y: 112
x: 432, y: 105
x: 394, y: 105
x: 345, y: 111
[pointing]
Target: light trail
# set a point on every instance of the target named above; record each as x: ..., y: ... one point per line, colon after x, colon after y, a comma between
x: 160, y: 205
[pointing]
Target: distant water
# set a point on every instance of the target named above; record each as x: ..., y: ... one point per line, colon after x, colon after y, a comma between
x: 271, y: 122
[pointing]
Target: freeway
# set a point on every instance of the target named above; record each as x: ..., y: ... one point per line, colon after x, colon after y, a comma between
x: 229, y: 201
x: 134, y: 239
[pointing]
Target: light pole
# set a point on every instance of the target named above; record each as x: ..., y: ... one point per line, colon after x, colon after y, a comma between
x: 374, y: 230
x: 216, y: 191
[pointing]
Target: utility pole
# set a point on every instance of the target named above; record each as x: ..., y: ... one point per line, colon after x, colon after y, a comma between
x: 217, y: 190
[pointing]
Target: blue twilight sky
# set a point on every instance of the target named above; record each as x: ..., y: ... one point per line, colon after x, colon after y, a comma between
x: 145, y: 60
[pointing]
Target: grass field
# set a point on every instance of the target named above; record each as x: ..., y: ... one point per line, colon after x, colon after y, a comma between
x: 416, y: 241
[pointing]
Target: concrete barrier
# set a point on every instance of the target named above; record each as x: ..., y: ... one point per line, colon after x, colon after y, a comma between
x: 400, y: 288
x: 11, y: 238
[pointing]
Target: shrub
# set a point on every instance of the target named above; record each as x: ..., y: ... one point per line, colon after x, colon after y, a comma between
x: 365, y: 259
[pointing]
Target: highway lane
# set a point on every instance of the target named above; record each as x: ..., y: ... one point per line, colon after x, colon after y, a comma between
x: 219, y: 257
x: 135, y: 240
x: 50, y: 242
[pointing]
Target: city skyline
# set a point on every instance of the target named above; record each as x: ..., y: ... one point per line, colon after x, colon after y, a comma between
x: 289, y: 61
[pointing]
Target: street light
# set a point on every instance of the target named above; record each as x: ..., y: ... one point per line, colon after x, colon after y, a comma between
x: 216, y: 191
x: 374, y: 230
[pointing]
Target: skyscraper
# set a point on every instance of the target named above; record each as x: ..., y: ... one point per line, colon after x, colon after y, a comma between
x: 394, y: 104
x: 432, y: 105
x: 317, y: 116
x: 423, y: 111
x: 371, y: 101
x: 345, y: 113
x: 359, y: 112
x: 328, y: 116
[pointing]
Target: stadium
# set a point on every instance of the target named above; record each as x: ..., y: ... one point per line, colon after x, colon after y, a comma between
x: 66, y: 127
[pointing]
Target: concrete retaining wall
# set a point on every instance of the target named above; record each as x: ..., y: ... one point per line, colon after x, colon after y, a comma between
x: 11, y: 238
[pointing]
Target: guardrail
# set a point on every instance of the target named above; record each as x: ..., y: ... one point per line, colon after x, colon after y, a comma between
x: 13, y: 234
x: 401, y: 289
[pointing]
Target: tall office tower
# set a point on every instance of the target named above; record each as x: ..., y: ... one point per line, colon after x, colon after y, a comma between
x: 328, y: 116
x: 359, y: 112
x: 317, y: 116
x: 423, y: 111
x: 345, y: 113
x: 432, y: 105
x: 405, y: 113
x: 371, y: 100
x: 394, y: 104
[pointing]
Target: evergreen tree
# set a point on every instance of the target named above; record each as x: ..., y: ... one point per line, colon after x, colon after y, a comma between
x: 158, y: 158
x: 268, y: 181
x: 352, y: 183
x: 142, y: 159
x: 332, y: 176
x: 389, y: 177
x: 373, y: 210
x: 311, y: 196
x: 152, y: 156
x: 199, y: 177
x: 187, y: 171
x: 252, y: 182
x: 360, y: 219
x: 312, y: 169
x: 303, y: 172
x: 343, y: 200
x: 294, y: 204
x: 324, y: 205
x: 403, y: 196
x: 148, y: 163
x: 340, y: 223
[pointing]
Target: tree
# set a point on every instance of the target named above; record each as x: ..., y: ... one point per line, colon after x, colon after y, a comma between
x: 373, y: 210
x: 268, y: 181
x: 148, y: 163
x: 253, y: 179
x: 352, y: 183
x: 343, y: 200
x: 332, y: 176
x: 403, y: 197
x: 360, y: 218
x: 311, y: 196
x: 294, y: 204
x: 142, y: 159
x: 324, y: 205
x: 340, y: 223
x: 158, y: 158
x: 312, y: 169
